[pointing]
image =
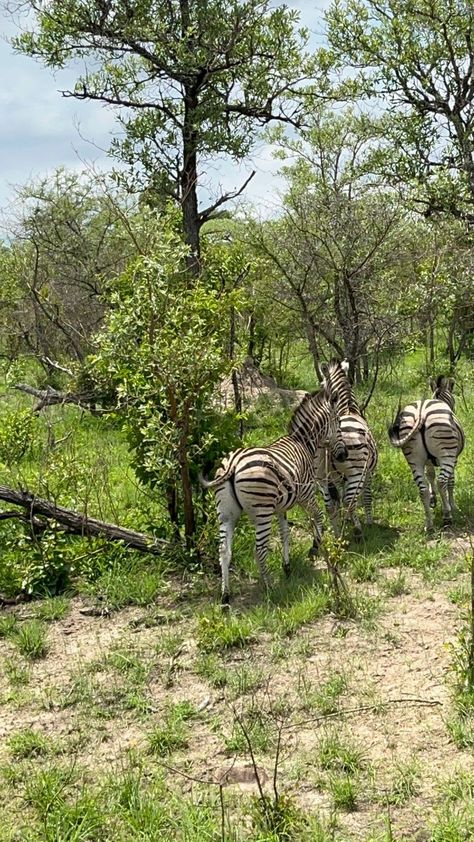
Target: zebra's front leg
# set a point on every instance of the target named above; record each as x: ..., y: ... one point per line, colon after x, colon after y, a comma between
x: 285, y: 541
x: 350, y: 505
x: 331, y: 501
x: 430, y: 473
x: 316, y: 521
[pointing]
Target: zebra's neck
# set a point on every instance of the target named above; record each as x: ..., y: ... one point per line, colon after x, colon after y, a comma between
x: 347, y: 403
x: 309, y: 422
x: 443, y: 394
x: 338, y: 382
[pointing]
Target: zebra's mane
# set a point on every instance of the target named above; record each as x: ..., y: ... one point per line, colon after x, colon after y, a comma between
x: 443, y: 390
x: 337, y: 376
x: 307, y: 407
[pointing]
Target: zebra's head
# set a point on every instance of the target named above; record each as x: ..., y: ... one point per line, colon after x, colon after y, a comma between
x: 334, y: 375
x: 443, y: 390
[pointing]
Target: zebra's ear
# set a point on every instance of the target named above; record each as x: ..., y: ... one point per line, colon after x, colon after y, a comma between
x: 323, y: 370
x: 345, y: 367
x: 333, y: 398
x: 450, y: 381
x: 433, y: 384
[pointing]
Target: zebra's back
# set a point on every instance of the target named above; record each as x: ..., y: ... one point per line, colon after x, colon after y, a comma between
x: 271, y: 478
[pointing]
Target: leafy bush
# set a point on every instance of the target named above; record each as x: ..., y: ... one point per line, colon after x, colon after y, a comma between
x: 17, y: 433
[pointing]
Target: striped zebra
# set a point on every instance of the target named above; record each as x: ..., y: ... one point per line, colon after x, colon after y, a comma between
x: 430, y: 436
x: 352, y: 477
x: 263, y: 481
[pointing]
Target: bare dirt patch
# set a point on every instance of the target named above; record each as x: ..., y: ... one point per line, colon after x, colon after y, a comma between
x: 394, y: 707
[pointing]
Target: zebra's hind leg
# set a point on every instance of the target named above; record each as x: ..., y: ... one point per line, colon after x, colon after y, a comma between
x: 367, y: 501
x: 451, y: 492
x: 430, y: 473
x: 445, y: 475
x: 424, y: 491
x: 228, y: 512
x: 285, y: 540
x: 263, y: 527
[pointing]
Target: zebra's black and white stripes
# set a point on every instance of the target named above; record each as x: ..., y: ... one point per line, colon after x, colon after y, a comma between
x: 430, y: 436
x: 263, y: 481
x: 353, y: 476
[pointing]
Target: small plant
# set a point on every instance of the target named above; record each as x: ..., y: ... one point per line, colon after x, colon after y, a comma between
x: 30, y: 639
x: 327, y: 696
x: 461, y: 730
x: 170, y: 644
x: 217, y: 631
x: 212, y: 670
x: 404, y: 784
x: 27, y: 743
x: 174, y: 733
x: 336, y: 755
x: 364, y: 568
x: 280, y: 819
x: 460, y: 787
x: 52, y: 609
x: 396, y: 586
x: 8, y: 625
x: 16, y: 672
x: 244, y: 680
x: 253, y: 726
x: 344, y: 792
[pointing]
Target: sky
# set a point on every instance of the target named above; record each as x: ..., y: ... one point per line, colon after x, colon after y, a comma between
x: 41, y: 130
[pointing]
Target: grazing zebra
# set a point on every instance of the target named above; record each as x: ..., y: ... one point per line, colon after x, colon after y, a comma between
x: 354, y: 475
x: 263, y: 481
x: 430, y: 436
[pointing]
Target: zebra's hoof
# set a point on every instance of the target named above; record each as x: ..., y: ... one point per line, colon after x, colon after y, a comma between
x: 225, y: 602
x: 287, y: 571
x: 433, y: 502
x: 447, y: 522
x: 313, y: 551
x: 357, y: 535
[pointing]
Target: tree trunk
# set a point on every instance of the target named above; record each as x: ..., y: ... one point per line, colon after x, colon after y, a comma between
x: 188, y: 504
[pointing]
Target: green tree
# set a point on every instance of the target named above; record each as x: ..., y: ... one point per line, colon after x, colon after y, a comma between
x: 189, y: 79
x: 338, y: 242
x: 163, y: 346
x: 414, y: 59
x: 72, y: 234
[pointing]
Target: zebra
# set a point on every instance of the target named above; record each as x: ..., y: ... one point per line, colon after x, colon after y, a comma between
x: 354, y: 475
x: 430, y: 436
x: 263, y: 481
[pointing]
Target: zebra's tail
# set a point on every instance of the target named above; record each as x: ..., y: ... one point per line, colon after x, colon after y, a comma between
x: 219, y: 480
x: 394, y: 430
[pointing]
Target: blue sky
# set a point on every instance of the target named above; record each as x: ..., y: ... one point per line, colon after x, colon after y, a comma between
x: 41, y: 130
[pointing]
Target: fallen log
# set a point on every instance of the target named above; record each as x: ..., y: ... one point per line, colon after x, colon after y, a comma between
x: 77, y: 522
x: 51, y: 397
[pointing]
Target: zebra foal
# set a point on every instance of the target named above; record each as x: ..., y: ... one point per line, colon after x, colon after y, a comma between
x: 430, y: 435
x: 352, y: 477
x: 263, y: 481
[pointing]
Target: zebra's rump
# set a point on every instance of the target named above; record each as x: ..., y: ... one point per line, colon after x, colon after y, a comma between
x: 360, y: 445
x: 272, y: 478
x: 432, y: 424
